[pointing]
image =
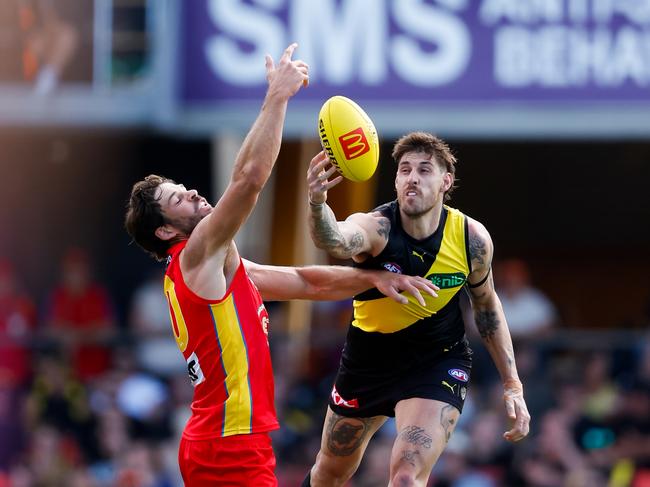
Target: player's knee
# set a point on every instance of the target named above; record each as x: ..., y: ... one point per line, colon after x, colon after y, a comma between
x: 333, y: 469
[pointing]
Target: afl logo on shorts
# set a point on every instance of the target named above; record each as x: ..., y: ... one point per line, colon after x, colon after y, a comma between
x: 339, y: 401
x: 392, y: 267
x: 459, y: 374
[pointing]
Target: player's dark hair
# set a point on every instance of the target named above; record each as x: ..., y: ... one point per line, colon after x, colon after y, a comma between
x: 144, y: 215
x: 430, y: 145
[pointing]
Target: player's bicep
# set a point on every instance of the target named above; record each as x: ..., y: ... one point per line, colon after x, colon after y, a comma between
x: 367, y: 232
x: 481, y: 249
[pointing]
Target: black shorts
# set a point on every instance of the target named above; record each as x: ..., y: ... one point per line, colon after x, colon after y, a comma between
x: 443, y: 378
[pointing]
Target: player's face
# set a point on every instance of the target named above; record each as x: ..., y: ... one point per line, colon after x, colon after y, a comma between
x: 420, y: 183
x: 183, y: 208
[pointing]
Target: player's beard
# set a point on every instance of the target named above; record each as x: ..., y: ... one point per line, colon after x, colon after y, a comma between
x: 188, y: 224
x: 418, y: 209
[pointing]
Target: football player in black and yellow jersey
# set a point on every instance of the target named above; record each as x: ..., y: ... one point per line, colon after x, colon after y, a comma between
x: 409, y: 361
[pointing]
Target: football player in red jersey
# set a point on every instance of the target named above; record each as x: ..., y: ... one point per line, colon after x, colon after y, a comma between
x: 215, y: 298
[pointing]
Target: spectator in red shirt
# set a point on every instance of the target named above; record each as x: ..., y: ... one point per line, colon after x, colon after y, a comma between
x: 17, y: 322
x: 81, y: 319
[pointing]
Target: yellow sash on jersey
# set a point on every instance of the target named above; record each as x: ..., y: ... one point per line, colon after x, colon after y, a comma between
x: 449, y: 271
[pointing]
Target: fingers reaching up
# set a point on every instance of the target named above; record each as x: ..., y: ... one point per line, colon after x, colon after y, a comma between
x: 286, y: 78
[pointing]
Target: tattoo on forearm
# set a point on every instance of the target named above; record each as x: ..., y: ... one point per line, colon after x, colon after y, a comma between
x: 477, y: 249
x: 327, y: 235
x: 417, y: 436
x: 409, y: 456
x: 487, y: 323
x: 345, y: 435
x: 447, y: 421
x: 384, y: 227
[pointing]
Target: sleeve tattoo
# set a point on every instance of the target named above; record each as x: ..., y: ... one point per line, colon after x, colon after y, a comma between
x: 487, y: 323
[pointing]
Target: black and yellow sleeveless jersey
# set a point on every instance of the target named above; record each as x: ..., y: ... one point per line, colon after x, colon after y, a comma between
x: 443, y: 258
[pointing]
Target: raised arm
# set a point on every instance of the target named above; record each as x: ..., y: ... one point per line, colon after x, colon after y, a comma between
x: 324, y: 283
x: 493, y: 328
x: 255, y: 159
x: 359, y: 234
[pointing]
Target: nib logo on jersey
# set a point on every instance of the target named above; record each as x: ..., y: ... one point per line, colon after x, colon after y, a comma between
x: 339, y: 401
x: 447, y: 280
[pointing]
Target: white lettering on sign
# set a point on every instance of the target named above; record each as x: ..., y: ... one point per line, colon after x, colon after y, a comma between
x: 545, y: 43
x: 343, y: 41
x: 493, y: 12
x: 432, y: 26
x: 256, y: 26
x: 563, y: 56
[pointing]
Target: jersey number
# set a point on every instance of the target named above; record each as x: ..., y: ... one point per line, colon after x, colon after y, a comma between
x: 176, y: 315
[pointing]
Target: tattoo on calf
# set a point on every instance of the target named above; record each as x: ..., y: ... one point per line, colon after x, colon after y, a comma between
x: 446, y: 421
x: 344, y: 435
x: 487, y: 323
x: 477, y: 249
x: 417, y: 436
x: 409, y: 456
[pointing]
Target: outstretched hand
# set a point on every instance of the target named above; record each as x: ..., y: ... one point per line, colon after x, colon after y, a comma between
x: 288, y: 76
x: 517, y: 411
x: 318, y: 176
x: 391, y: 284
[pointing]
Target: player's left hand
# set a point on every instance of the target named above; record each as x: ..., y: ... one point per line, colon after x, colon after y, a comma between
x: 318, y: 174
x: 391, y: 285
x: 517, y: 411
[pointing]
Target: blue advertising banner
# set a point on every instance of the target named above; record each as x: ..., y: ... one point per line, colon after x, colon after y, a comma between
x: 419, y: 50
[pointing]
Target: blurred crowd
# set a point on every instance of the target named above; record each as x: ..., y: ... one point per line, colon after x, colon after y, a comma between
x: 89, y: 399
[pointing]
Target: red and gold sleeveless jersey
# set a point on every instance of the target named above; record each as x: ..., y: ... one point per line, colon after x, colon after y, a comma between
x: 226, y: 347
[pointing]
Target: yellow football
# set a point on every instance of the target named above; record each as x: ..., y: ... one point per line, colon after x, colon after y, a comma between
x: 349, y: 137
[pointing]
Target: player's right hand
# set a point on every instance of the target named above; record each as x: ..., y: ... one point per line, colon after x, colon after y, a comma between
x: 392, y: 285
x: 318, y: 174
x: 288, y: 76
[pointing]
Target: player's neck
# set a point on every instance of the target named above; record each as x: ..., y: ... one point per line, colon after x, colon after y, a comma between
x: 423, y: 225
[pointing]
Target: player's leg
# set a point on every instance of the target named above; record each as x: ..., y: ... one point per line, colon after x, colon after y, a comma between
x: 343, y: 443
x: 424, y: 427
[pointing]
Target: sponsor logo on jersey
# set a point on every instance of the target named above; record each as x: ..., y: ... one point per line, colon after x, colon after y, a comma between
x: 418, y: 255
x: 339, y: 401
x: 392, y: 267
x: 264, y: 319
x: 459, y: 374
x: 451, y: 388
x: 447, y: 281
x: 354, y: 143
x: 194, y: 370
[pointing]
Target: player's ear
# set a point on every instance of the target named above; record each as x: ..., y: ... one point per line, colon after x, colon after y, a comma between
x: 448, y: 181
x: 166, y: 232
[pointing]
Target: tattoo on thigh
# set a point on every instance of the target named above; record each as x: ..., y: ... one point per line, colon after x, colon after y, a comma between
x: 409, y: 456
x: 416, y: 436
x: 447, y: 421
x: 344, y: 435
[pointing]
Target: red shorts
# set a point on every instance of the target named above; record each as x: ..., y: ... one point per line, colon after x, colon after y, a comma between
x: 232, y: 461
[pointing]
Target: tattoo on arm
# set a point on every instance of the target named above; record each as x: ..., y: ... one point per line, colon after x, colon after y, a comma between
x: 345, y: 435
x: 328, y: 236
x: 477, y: 250
x: 416, y: 436
x: 447, y: 421
x: 384, y: 227
x: 409, y: 456
x: 487, y: 323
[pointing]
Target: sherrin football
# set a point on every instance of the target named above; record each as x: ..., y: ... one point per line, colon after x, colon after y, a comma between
x: 349, y: 137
